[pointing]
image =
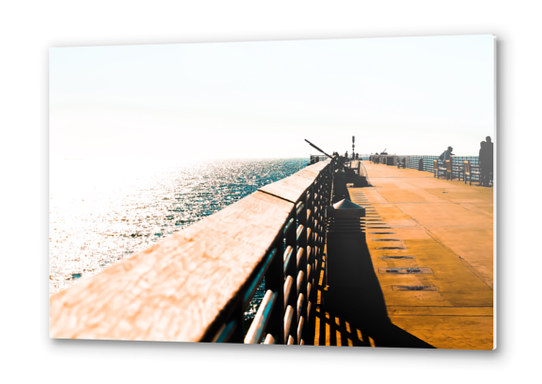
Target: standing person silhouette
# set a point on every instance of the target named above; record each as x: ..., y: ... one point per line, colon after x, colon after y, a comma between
x: 485, y: 159
x: 489, y: 159
x: 482, y: 162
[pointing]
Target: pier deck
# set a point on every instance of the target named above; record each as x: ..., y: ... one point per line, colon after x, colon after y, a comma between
x: 443, y: 231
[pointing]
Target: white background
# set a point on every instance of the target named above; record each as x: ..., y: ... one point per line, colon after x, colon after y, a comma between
x: 29, y: 28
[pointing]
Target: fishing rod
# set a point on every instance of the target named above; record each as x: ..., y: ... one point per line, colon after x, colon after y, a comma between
x: 331, y: 157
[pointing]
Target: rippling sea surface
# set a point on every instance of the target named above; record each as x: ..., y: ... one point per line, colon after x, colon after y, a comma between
x: 101, y: 212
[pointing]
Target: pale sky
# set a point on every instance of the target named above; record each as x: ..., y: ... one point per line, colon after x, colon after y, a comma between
x: 411, y: 95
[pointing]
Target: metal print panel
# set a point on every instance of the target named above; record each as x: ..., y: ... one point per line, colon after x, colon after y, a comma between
x: 319, y: 193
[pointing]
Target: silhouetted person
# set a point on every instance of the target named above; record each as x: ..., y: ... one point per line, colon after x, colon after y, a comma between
x: 485, y: 160
x: 447, y: 154
x: 482, y: 154
x: 490, y: 156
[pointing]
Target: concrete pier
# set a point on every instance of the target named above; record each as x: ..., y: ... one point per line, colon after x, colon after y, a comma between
x: 430, y: 244
x: 421, y: 276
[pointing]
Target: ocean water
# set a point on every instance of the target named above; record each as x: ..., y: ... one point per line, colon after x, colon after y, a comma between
x: 101, y: 212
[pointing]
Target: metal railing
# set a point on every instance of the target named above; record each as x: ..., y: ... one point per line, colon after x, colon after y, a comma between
x: 317, y: 158
x: 287, y: 272
x: 412, y: 162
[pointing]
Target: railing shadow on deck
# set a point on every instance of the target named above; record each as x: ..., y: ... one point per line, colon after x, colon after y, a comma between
x: 196, y: 285
x: 350, y: 306
x: 357, y: 313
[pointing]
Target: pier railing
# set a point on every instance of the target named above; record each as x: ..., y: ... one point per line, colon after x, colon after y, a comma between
x: 412, y: 161
x: 317, y: 158
x: 197, y: 284
x: 457, y: 164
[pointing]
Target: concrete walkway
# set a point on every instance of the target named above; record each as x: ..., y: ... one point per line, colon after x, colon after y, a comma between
x: 443, y: 231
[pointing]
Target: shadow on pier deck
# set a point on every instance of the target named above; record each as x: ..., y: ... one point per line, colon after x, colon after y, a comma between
x: 428, y: 267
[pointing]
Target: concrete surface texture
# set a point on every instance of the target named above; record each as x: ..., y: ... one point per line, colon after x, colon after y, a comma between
x: 431, y: 245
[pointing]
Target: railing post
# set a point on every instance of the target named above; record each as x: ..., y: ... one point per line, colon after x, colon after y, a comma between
x: 290, y: 273
x: 301, y: 262
x: 274, y: 280
x: 323, y: 193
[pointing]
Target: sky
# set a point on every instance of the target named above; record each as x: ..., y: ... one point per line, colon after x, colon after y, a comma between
x: 408, y: 95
